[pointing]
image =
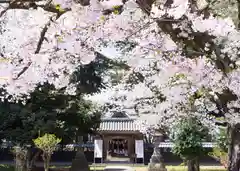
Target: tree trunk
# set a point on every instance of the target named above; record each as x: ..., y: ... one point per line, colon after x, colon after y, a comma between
x: 31, y: 158
x: 20, y: 163
x: 238, y: 5
x: 25, y: 158
x: 46, y: 159
x: 193, y: 165
x: 234, y: 147
x: 20, y: 158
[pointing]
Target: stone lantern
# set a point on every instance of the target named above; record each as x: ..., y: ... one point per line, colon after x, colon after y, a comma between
x: 156, y: 161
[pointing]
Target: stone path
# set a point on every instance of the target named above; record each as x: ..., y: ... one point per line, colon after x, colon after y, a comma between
x: 118, y: 168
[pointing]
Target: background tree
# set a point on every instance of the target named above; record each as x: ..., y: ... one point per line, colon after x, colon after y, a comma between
x: 187, y: 136
x: 56, y: 111
x: 46, y: 111
x: 220, y: 152
x: 48, y: 144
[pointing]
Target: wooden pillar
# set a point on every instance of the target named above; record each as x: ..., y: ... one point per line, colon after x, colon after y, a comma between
x: 107, y: 138
x: 132, y: 147
x: 133, y: 144
x: 129, y: 146
x: 104, y: 147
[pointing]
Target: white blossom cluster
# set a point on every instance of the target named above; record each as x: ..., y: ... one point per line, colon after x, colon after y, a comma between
x: 177, y: 78
x: 224, y: 9
x: 170, y: 78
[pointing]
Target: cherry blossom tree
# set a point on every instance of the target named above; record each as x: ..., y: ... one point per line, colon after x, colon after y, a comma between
x: 183, y: 60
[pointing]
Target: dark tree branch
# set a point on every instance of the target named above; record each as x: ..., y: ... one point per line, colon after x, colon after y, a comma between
x: 42, y: 35
x: 23, y: 70
x: 27, y: 4
x: 238, y: 5
x: 4, y: 1
x: 198, y: 41
x: 9, y: 7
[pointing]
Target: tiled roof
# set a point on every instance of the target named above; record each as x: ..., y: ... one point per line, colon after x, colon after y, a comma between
x: 119, y: 125
x: 170, y: 145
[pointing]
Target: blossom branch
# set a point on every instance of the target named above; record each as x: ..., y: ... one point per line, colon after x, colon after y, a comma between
x: 19, y: 4
x: 40, y: 42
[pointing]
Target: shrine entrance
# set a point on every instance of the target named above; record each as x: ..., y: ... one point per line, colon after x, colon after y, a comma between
x: 118, y: 147
x: 119, y: 133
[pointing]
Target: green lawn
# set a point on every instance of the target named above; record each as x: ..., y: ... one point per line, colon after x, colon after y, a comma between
x: 4, y: 167
x: 138, y: 168
x: 170, y: 168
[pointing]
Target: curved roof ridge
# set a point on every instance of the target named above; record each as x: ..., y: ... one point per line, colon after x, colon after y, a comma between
x: 117, y: 119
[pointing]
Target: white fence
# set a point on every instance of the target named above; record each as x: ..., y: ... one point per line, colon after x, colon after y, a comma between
x: 170, y: 144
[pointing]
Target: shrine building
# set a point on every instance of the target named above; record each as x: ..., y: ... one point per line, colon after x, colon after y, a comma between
x: 119, y: 138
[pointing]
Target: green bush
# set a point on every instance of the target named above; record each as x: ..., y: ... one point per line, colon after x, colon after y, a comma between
x: 220, y: 153
x: 187, y: 136
x: 220, y: 156
x: 47, y: 143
